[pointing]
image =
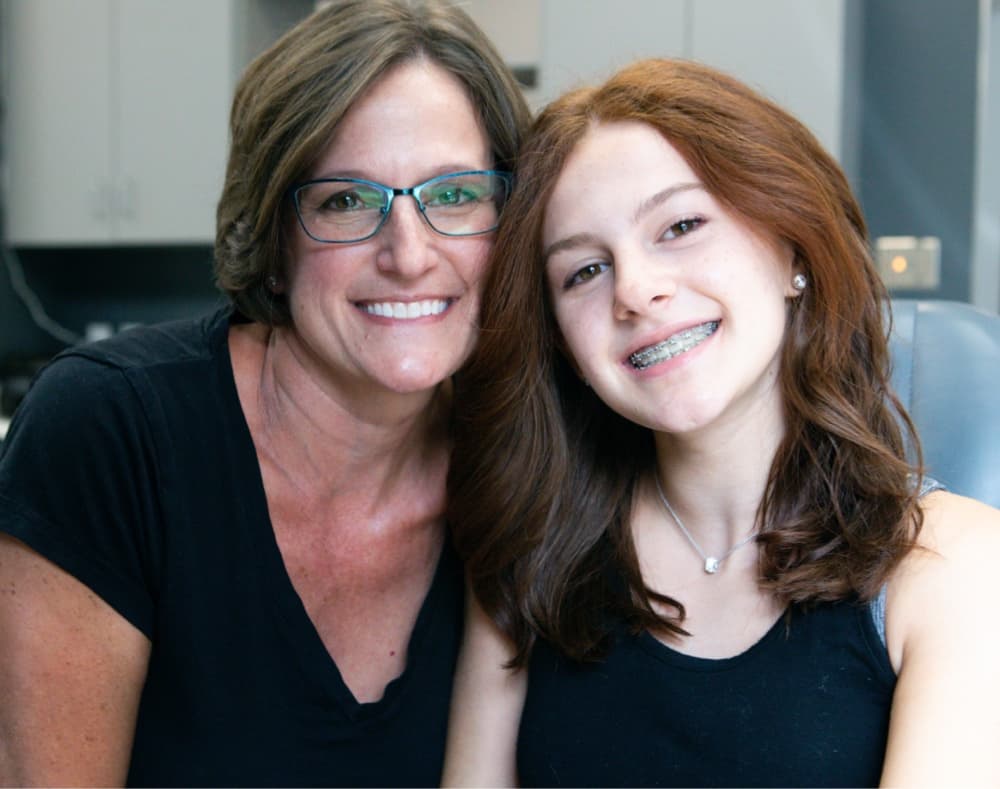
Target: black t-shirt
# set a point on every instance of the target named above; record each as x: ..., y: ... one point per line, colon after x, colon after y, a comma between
x: 130, y: 465
x: 807, y: 705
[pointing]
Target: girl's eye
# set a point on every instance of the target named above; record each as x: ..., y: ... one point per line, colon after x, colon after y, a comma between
x: 584, y: 274
x: 683, y: 227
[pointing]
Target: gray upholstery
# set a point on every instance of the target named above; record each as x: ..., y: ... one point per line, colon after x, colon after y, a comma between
x: 946, y: 371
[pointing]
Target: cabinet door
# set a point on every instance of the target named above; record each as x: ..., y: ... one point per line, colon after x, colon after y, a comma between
x: 173, y: 82
x: 58, y: 121
x: 795, y: 52
x: 585, y: 41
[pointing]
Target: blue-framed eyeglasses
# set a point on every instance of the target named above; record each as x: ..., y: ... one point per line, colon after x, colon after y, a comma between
x: 346, y: 210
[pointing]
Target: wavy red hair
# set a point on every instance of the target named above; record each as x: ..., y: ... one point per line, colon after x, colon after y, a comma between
x: 543, y: 474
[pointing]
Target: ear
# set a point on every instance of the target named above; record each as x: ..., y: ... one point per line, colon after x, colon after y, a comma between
x: 797, y: 285
x: 796, y: 280
x: 275, y: 284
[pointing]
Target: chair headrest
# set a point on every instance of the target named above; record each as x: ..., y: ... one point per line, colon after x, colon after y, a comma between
x: 946, y: 371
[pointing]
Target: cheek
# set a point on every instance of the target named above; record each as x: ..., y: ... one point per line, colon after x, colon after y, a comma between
x: 573, y: 339
x: 476, y: 265
x: 311, y: 273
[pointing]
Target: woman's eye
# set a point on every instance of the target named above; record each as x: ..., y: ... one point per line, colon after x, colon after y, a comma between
x: 683, y: 227
x: 343, y: 201
x: 451, y: 196
x: 350, y: 200
x: 586, y: 273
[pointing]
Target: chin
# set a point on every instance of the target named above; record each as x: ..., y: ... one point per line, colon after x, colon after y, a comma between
x: 419, y: 378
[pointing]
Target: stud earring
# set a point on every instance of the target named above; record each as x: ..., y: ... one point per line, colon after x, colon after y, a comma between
x: 273, y: 284
x: 799, y: 282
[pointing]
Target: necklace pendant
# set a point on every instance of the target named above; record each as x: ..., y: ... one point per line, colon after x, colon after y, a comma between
x: 711, y: 565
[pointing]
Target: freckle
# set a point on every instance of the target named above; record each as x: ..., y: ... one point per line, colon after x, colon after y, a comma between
x: 392, y: 653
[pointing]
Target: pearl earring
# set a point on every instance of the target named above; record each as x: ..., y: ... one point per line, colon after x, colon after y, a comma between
x: 799, y: 282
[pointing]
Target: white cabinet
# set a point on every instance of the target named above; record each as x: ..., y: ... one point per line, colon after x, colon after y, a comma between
x: 800, y: 53
x: 58, y: 116
x: 117, y: 115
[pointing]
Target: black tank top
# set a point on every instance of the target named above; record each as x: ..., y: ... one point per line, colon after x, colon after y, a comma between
x: 807, y: 705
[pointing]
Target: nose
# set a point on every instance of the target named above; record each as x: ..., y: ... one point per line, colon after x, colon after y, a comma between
x: 405, y: 241
x: 639, y: 285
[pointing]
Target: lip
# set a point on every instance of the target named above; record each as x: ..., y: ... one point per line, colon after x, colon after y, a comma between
x: 670, y: 357
x: 662, y: 335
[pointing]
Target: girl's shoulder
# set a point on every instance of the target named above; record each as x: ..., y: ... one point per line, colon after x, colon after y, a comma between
x: 950, y: 576
x: 940, y: 614
x: 957, y: 529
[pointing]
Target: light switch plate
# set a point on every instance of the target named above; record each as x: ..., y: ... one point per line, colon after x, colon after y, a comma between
x: 909, y: 262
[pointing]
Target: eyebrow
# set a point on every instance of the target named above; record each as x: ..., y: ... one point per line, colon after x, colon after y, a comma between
x: 647, y: 205
x: 661, y: 197
x: 446, y: 169
x: 577, y: 240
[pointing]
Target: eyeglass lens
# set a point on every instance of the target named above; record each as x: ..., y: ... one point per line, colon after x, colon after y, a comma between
x: 345, y: 209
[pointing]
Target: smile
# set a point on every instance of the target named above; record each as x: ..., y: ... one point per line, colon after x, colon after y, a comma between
x: 407, y: 310
x: 673, y: 346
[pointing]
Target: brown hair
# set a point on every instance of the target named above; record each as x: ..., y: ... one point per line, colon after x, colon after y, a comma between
x: 543, y: 474
x: 291, y: 98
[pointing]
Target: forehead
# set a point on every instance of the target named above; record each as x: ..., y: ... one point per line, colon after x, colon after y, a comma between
x: 614, y: 167
x: 415, y: 119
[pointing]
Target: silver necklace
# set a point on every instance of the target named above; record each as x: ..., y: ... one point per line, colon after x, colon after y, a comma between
x: 711, y: 562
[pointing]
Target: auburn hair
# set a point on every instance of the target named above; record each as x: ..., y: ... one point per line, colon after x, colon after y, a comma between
x: 543, y: 474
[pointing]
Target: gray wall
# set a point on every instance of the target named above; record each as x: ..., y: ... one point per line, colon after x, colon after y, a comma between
x: 918, y: 138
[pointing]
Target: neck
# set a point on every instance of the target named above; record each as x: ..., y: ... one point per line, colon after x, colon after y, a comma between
x: 329, y: 435
x: 716, y: 483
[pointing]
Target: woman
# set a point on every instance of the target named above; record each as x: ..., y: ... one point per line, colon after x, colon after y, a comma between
x: 679, y: 480
x: 225, y: 558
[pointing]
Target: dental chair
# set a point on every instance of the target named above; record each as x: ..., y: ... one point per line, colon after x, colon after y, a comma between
x: 946, y: 371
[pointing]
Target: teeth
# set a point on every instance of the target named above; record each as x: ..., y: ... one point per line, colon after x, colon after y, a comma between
x: 406, y: 310
x: 672, y: 346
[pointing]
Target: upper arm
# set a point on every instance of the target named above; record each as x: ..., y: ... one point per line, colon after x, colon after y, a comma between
x: 941, y: 621
x: 71, y: 676
x: 485, y: 708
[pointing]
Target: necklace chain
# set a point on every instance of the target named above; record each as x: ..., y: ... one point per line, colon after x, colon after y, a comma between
x: 712, y: 563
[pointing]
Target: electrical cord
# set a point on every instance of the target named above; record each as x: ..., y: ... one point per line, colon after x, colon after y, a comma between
x: 31, y: 301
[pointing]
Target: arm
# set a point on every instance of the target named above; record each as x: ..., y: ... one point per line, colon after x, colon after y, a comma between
x: 485, y: 707
x: 944, y: 643
x: 71, y: 675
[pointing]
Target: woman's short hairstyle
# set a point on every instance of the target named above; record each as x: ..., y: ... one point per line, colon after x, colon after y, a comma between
x: 291, y: 98
x: 543, y: 472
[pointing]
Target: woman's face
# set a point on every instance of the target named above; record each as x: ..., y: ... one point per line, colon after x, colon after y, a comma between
x: 671, y: 307
x: 397, y: 311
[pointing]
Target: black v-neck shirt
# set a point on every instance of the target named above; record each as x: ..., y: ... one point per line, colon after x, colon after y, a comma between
x: 130, y: 465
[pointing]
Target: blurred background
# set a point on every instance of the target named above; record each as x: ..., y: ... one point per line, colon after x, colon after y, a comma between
x: 113, y: 133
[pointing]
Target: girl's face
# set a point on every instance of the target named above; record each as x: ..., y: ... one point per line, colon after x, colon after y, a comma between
x: 670, y: 306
